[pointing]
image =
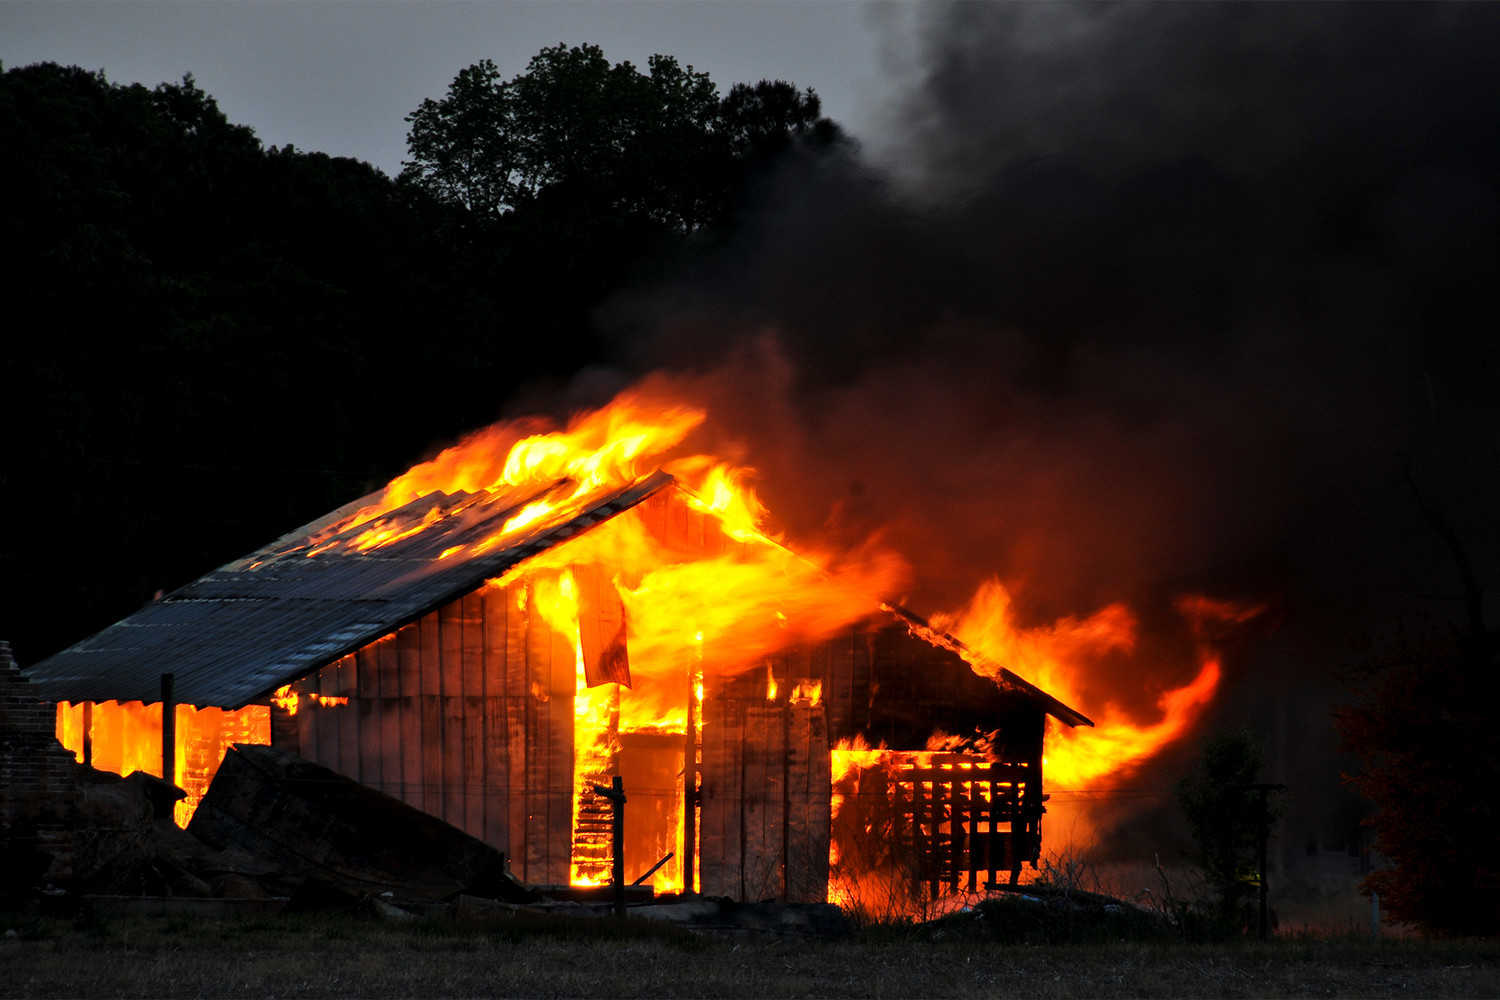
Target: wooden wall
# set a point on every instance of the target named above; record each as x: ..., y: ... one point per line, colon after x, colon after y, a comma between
x: 765, y: 789
x: 888, y: 686
x: 466, y: 714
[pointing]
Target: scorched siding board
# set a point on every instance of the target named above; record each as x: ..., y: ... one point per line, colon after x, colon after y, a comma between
x: 390, y: 716
x: 765, y: 814
x: 538, y: 743
x: 431, y: 672
x: 367, y: 704
x: 455, y: 780
x: 560, y: 778
x: 345, y: 717
x: 517, y: 721
x: 476, y: 721
x: 808, y: 767
x: 496, y: 765
x: 723, y: 790
x: 409, y: 654
x: 307, y: 733
x: 762, y: 796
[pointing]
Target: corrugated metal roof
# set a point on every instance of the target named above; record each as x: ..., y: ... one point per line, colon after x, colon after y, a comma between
x: 310, y: 597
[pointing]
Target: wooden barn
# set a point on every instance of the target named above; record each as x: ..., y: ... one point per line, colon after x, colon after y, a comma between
x: 422, y: 653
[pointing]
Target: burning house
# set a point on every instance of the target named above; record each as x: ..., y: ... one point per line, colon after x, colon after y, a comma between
x: 526, y: 617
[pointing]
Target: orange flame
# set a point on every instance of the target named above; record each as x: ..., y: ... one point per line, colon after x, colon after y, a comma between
x: 807, y: 692
x: 598, y: 448
x: 1058, y: 657
x: 126, y: 737
x: 291, y: 700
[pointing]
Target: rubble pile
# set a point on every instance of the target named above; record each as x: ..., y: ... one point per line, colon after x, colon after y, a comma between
x: 278, y: 829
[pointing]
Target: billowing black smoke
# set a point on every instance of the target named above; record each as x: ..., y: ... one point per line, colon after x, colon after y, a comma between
x: 1157, y: 299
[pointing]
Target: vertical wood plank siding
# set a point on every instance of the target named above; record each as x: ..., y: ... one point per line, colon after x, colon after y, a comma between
x: 467, y: 714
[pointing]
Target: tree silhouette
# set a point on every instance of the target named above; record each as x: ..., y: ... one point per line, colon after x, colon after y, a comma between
x: 1430, y: 762
x: 212, y: 342
x: 1227, y: 815
x: 1430, y: 759
x: 659, y: 145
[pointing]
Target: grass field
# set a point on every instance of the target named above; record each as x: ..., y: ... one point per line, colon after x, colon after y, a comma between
x: 347, y: 957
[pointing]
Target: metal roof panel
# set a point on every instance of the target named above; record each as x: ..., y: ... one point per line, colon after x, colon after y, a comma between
x: 239, y: 632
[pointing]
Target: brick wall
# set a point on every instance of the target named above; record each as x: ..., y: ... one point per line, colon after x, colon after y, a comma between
x: 38, y: 778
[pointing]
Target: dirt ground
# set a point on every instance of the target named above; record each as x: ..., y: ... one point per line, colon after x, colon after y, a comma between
x: 347, y: 957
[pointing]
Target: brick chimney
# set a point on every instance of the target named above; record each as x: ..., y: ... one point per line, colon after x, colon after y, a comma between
x: 38, y: 777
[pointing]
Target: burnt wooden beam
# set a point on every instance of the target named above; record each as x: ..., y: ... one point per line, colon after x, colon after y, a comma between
x: 653, y: 869
x: 616, y: 795
x: 690, y: 790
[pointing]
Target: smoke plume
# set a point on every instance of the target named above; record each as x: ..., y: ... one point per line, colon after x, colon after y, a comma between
x: 1149, y: 300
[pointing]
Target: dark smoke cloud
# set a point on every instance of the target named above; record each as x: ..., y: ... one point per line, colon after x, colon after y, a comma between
x: 1162, y: 296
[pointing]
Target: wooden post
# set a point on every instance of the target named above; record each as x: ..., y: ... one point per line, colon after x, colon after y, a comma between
x: 1265, y: 835
x: 690, y: 791
x: 617, y: 848
x: 168, y: 731
x: 934, y: 807
x: 616, y: 796
x: 88, y: 733
x: 956, y: 827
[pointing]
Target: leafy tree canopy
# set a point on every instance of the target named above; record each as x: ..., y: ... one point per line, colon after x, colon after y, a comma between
x: 660, y: 145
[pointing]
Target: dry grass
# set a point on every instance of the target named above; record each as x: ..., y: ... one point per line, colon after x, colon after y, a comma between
x: 327, y: 957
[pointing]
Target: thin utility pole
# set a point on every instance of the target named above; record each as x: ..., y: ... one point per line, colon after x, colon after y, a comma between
x: 1265, y: 836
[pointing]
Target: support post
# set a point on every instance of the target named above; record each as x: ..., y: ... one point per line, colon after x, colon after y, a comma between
x: 616, y: 795
x: 690, y: 793
x: 88, y: 733
x: 1265, y: 835
x: 168, y: 731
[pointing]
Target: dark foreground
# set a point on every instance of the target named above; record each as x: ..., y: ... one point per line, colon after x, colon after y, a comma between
x: 346, y: 957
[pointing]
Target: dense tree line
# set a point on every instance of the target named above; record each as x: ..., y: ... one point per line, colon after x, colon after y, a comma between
x: 209, y: 341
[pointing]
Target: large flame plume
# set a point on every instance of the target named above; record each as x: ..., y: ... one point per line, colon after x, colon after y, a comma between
x: 1059, y: 657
